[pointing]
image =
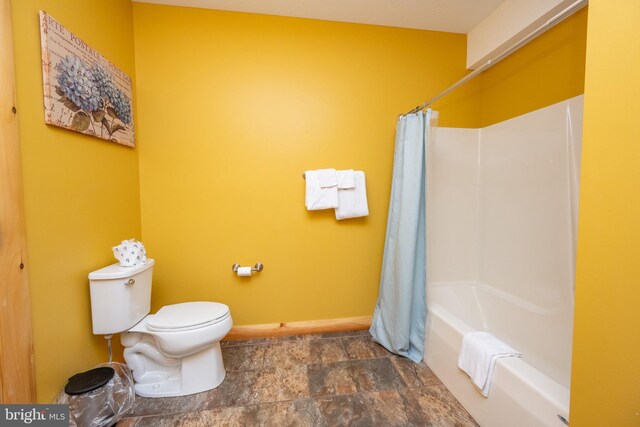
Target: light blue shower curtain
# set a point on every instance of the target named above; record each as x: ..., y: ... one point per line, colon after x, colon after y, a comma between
x: 399, y: 319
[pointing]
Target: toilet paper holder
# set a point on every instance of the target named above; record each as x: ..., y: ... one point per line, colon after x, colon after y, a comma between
x: 258, y: 267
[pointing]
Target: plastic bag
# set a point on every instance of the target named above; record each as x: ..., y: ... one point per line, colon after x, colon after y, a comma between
x: 105, y: 405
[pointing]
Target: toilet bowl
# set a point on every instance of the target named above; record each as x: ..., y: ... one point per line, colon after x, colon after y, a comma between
x: 174, y: 352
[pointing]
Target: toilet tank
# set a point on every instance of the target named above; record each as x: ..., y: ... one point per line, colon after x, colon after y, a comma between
x: 120, y: 297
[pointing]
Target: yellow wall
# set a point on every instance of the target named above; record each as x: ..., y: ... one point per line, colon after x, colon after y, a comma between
x: 81, y: 193
x: 605, y: 389
x: 233, y: 107
x: 547, y: 70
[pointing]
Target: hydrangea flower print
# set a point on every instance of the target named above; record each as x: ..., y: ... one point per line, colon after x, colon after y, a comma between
x: 104, y: 81
x: 91, y: 94
x: 122, y: 106
x: 77, y: 82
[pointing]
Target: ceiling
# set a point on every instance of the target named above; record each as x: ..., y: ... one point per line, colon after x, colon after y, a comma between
x: 457, y: 16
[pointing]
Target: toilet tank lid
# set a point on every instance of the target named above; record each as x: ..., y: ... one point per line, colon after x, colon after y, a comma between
x: 116, y: 271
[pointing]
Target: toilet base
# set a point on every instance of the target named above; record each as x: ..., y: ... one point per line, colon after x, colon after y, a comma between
x: 166, y: 388
x: 199, y: 372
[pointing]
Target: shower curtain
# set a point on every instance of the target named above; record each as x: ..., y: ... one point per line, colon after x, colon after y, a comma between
x: 399, y: 318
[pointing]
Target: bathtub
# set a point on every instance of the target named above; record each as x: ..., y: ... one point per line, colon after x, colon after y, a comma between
x: 531, y: 391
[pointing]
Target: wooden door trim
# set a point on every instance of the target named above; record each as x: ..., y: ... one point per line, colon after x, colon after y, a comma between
x: 17, y: 379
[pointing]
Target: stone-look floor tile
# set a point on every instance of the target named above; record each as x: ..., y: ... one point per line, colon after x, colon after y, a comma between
x: 344, y: 411
x: 152, y: 421
x: 294, y: 413
x: 242, y: 343
x: 363, y: 347
x: 312, y: 380
x: 168, y: 405
x: 330, y: 380
x: 128, y: 422
x: 285, y: 338
x: 244, y: 388
x: 414, y: 374
x: 353, y: 376
x: 221, y: 396
x: 434, y: 406
x: 375, y: 374
x: 259, y: 386
x: 326, y: 350
x: 292, y: 383
x: 387, y: 408
x: 148, y: 421
x: 286, y: 354
x: 239, y: 416
x: 243, y: 358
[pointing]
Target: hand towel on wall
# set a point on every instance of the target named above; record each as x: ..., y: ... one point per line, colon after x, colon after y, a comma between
x: 352, y: 203
x: 478, y: 355
x: 327, y: 177
x: 346, y: 179
x: 316, y: 197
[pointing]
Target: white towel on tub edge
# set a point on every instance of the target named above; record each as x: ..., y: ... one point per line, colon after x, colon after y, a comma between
x: 478, y: 355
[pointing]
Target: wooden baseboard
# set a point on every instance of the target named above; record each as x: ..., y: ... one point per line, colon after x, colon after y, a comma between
x: 299, y: 328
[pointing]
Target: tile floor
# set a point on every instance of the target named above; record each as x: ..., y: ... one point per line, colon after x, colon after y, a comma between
x: 340, y: 379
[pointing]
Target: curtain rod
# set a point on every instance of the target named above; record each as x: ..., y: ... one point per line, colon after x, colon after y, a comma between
x: 574, y: 7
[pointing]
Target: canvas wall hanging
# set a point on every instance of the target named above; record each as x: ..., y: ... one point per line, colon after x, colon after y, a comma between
x: 83, y: 91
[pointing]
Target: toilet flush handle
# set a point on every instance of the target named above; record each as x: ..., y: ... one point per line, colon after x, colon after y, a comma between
x: 130, y: 282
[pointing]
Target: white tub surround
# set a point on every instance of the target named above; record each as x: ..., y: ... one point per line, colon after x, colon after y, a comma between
x: 501, y: 233
x: 524, y: 392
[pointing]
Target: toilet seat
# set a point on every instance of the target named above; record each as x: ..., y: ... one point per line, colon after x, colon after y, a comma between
x: 187, y: 316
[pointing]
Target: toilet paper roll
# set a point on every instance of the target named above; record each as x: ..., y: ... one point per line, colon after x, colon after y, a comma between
x: 244, y: 271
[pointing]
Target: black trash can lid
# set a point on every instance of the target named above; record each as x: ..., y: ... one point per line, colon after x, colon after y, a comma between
x: 85, y: 382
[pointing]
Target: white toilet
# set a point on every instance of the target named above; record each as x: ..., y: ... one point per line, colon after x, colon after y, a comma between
x: 174, y: 352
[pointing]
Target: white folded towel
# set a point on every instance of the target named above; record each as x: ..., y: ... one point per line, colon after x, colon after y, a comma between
x: 327, y: 177
x: 478, y: 356
x: 346, y: 179
x: 352, y: 203
x: 316, y: 197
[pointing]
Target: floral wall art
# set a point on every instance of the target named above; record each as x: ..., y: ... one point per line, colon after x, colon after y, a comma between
x: 83, y: 91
